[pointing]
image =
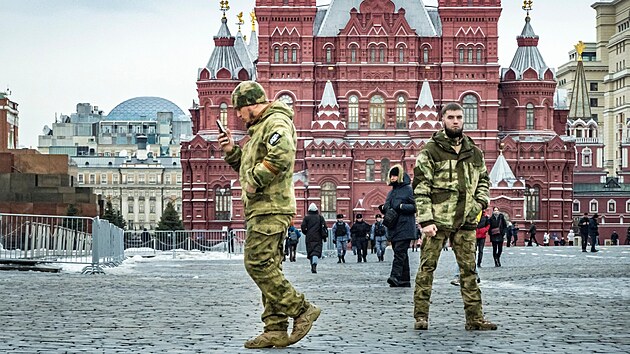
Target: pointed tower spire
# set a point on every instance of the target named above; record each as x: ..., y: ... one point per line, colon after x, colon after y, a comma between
x: 242, y: 51
x: 501, y: 171
x: 580, y: 107
x: 328, y: 107
x: 425, y: 108
x: 253, y: 38
x: 223, y: 55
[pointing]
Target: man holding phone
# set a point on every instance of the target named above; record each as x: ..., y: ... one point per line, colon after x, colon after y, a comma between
x: 265, y: 167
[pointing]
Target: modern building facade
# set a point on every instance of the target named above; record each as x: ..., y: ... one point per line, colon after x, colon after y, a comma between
x: 9, y: 123
x: 89, y: 132
x: 365, y: 80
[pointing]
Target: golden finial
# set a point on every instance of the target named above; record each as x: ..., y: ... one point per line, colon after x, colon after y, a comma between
x: 579, y: 49
x: 225, y: 6
x: 240, y: 20
x: 253, y: 17
x: 527, y: 6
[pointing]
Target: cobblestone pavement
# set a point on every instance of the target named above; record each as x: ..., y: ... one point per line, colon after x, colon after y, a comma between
x: 544, y: 299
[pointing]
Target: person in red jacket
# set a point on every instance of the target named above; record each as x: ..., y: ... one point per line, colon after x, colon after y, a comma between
x: 482, y: 232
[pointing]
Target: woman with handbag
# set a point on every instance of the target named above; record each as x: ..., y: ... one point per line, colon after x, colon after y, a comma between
x: 401, y: 229
x: 498, y: 225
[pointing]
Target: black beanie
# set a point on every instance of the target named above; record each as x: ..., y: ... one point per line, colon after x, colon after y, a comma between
x: 393, y: 172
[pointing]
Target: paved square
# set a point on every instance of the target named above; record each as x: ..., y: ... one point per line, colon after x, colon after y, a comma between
x: 544, y: 299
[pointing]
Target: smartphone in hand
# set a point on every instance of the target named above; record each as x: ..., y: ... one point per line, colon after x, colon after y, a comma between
x: 221, y: 127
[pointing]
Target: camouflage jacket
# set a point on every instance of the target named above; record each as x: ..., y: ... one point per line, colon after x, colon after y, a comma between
x: 266, y: 162
x: 450, y: 189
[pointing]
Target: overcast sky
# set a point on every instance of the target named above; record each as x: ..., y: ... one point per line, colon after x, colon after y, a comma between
x: 55, y: 54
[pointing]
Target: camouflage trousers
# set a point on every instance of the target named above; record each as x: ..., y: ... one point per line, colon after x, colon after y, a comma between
x: 463, y: 245
x: 263, y: 261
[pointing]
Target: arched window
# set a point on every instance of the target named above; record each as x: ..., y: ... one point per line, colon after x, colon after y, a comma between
x: 276, y: 54
x: 384, y: 169
x: 461, y: 54
x: 373, y: 54
x: 329, y: 200
x: 479, y: 52
x: 353, y: 53
x: 587, y: 159
x: 401, y: 112
x: 369, y: 170
x: 593, y: 206
x: 470, y: 55
x: 425, y: 55
x: 529, y: 116
x: 612, y: 206
x: 401, y: 54
x: 532, y: 202
x: 223, y: 203
x: 353, y: 112
x: 223, y: 114
x: 576, y: 206
x: 285, y: 54
x: 328, y: 55
x: 377, y: 112
x: 294, y: 54
x: 382, y: 54
x: 470, y: 112
x: 627, y: 206
x: 286, y: 98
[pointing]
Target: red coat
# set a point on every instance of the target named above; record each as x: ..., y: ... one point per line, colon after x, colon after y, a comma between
x: 483, y: 232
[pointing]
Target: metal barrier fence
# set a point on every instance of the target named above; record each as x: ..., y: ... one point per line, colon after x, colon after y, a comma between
x: 61, y: 239
x: 148, y: 243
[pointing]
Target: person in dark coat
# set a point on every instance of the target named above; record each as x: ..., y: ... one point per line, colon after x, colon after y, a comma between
x: 315, y: 230
x: 532, y: 235
x: 593, y: 231
x: 360, y: 233
x: 400, y: 198
x: 614, y: 238
x: 498, y: 225
x: 515, y: 230
x: 583, y: 224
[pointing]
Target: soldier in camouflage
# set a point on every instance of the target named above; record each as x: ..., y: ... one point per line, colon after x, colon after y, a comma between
x: 451, y: 188
x: 265, y: 167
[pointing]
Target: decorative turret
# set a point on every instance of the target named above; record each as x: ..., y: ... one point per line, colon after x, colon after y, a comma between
x: 328, y: 108
x: 242, y: 50
x: 253, y: 39
x: 580, y: 107
x: 425, y: 108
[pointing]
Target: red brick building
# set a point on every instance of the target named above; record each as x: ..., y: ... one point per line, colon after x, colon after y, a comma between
x: 9, y: 123
x: 365, y: 80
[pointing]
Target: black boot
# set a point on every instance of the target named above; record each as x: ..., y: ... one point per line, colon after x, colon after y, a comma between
x: 313, y: 268
x: 339, y: 261
x: 499, y: 261
x: 496, y: 263
x: 343, y: 259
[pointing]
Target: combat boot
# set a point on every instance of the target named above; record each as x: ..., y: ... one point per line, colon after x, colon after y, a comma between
x: 339, y: 261
x: 421, y: 324
x: 343, y: 259
x: 268, y: 340
x: 480, y: 325
x: 313, y: 268
x: 303, y: 323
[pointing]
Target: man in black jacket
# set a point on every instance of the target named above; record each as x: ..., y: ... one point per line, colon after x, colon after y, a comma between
x: 583, y: 224
x: 593, y: 231
x: 360, y: 232
x: 532, y: 235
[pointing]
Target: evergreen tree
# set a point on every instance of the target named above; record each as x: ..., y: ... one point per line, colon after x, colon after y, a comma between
x: 113, y: 215
x: 72, y: 223
x: 170, y: 220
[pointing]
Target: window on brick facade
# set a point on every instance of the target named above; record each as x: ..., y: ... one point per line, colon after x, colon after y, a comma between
x: 532, y: 202
x: 329, y: 200
x: 285, y: 54
x: 276, y: 54
x: 530, y: 119
x: 401, y: 54
x: 470, y: 55
x: 587, y: 160
x: 382, y: 54
x: 401, y: 112
x: 461, y: 55
x: 576, y: 206
x: 223, y: 203
x: 223, y: 113
x: 479, y: 55
x: 377, y: 112
x: 294, y: 54
x: 593, y: 206
x: 425, y: 55
x: 612, y: 206
x: 353, y: 112
x: 372, y: 54
x: 328, y: 55
x: 384, y: 170
x: 353, y: 54
x: 369, y: 170
x: 471, y: 119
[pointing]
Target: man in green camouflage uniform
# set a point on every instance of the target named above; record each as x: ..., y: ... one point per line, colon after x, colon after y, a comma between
x: 451, y: 188
x: 265, y: 167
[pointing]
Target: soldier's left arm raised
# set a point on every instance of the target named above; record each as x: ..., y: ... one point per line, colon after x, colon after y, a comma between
x: 279, y: 138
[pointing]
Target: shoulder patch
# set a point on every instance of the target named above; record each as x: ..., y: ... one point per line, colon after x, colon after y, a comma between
x: 273, y: 140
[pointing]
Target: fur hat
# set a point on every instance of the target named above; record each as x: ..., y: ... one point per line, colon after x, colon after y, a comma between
x: 339, y: 216
x: 312, y: 207
x: 393, y: 172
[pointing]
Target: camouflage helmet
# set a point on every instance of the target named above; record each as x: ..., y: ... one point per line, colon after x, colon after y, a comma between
x: 248, y: 93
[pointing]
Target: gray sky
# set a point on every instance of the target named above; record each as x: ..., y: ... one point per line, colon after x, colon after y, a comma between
x: 55, y: 54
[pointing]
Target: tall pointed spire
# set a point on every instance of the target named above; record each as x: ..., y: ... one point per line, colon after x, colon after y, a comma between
x: 223, y: 56
x: 328, y: 107
x: 580, y: 106
x: 425, y: 108
x: 253, y: 38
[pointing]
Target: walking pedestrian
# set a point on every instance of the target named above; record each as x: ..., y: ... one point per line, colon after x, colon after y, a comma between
x: 400, y: 198
x: 571, y: 237
x: 497, y: 230
x: 451, y: 188
x: 293, y: 238
x: 315, y: 231
x: 508, y: 234
x: 378, y: 234
x: 614, y: 238
x: 360, y: 232
x: 593, y: 231
x: 628, y: 236
x: 532, y: 235
x: 481, y: 233
x: 265, y: 166
x: 583, y: 224
x: 341, y: 236
x: 515, y: 231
